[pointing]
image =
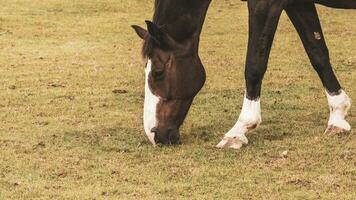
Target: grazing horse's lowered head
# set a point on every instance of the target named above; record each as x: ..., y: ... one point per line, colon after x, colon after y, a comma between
x: 174, y: 72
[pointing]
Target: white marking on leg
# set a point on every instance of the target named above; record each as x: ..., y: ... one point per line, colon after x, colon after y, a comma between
x: 339, y: 106
x: 150, y: 106
x: 317, y: 35
x: 249, y: 119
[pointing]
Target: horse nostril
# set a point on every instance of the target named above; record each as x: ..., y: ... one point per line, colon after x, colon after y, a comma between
x: 154, y: 130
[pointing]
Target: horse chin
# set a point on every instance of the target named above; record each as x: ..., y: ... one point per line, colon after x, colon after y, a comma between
x: 151, y: 137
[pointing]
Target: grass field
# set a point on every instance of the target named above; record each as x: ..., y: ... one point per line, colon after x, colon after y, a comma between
x: 64, y: 133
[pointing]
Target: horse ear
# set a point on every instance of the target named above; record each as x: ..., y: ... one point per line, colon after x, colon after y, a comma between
x: 140, y: 31
x: 161, y: 36
x: 155, y: 32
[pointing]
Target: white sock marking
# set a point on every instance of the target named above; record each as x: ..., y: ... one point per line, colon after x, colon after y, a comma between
x: 339, y: 105
x: 250, y: 118
x: 150, y: 106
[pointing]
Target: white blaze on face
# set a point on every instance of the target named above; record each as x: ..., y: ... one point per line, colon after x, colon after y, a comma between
x: 249, y: 119
x: 339, y: 105
x: 150, y: 106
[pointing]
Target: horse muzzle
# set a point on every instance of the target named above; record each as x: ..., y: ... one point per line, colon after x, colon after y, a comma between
x: 166, y: 136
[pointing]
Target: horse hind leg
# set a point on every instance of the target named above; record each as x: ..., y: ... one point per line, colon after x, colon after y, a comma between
x: 306, y: 21
x: 339, y: 106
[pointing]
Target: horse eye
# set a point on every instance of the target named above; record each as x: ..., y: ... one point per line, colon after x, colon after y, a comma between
x: 158, y: 74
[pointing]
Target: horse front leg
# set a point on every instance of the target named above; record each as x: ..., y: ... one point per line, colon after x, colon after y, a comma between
x: 305, y: 19
x: 263, y: 21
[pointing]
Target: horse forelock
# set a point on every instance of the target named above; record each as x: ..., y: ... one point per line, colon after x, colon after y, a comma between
x: 148, y: 46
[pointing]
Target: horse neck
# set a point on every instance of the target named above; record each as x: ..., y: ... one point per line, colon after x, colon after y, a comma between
x: 182, y: 19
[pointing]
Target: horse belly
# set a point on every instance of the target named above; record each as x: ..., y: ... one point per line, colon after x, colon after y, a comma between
x: 345, y: 4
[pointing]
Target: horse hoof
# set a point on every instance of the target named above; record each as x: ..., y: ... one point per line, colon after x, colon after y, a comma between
x: 334, y: 130
x: 233, y: 143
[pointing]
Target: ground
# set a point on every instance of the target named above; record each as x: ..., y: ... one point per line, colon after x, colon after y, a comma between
x: 71, y: 98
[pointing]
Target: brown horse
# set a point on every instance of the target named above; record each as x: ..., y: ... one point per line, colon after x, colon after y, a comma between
x: 175, y: 74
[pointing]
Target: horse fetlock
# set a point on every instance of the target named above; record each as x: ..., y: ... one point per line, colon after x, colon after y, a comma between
x: 339, y: 106
x: 252, y: 122
x: 250, y: 116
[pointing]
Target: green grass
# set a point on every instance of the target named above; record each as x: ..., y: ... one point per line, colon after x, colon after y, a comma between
x: 65, y: 135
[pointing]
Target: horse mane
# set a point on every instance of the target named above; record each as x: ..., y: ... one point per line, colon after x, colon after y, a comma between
x: 149, y: 43
x: 157, y: 10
